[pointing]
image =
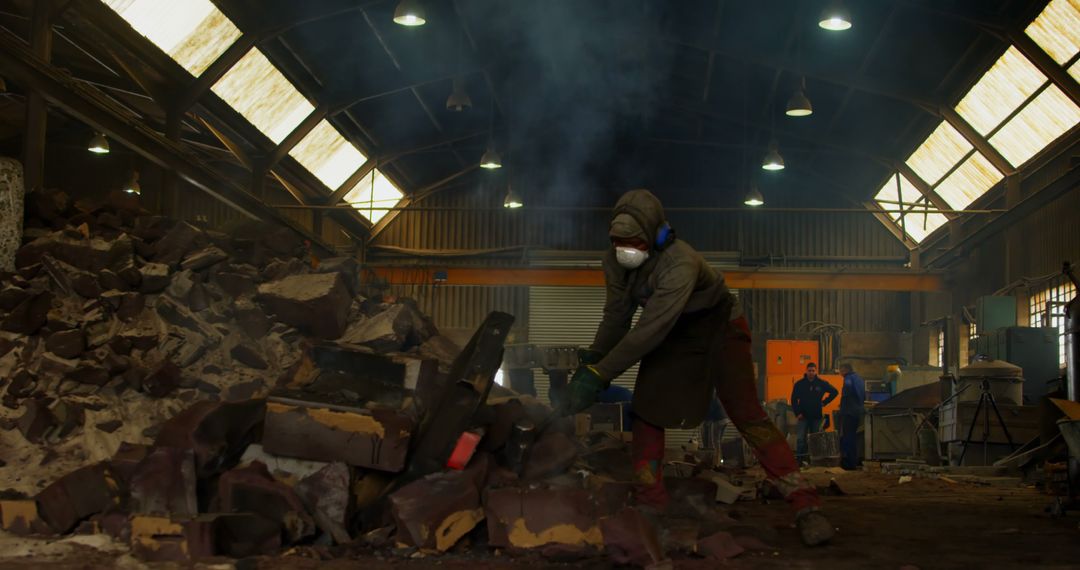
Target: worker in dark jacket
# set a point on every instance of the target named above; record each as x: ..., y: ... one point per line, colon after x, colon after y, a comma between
x: 808, y: 397
x: 691, y: 339
x: 852, y: 399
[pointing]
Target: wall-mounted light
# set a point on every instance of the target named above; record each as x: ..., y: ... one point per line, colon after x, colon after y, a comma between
x: 754, y: 197
x: 132, y: 186
x: 513, y: 199
x: 99, y: 144
x: 409, y: 13
x: 773, y: 160
x: 799, y: 105
x: 835, y: 17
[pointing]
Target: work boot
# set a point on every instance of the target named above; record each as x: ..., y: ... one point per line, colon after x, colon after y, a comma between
x: 814, y: 528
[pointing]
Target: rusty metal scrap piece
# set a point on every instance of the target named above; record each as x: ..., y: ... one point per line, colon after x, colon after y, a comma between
x: 218, y: 432
x: 322, y: 431
x: 469, y: 383
x: 436, y: 511
x: 539, y: 518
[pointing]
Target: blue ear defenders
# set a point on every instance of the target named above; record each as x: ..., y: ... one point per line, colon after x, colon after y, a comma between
x: 664, y: 234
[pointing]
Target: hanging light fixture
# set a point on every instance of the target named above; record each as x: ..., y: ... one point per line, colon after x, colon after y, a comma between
x: 773, y: 160
x: 799, y: 105
x: 754, y: 197
x: 409, y: 13
x: 835, y: 17
x: 513, y: 199
x: 459, y: 99
x: 491, y: 158
x: 132, y: 186
x: 98, y: 144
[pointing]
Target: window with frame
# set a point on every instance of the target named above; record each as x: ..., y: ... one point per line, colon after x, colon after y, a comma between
x: 941, y: 347
x: 1047, y: 309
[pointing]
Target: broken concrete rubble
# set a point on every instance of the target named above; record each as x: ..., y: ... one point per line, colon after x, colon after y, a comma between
x: 78, y: 495
x: 217, y: 432
x: 316, y: 303
x: 252, y: 489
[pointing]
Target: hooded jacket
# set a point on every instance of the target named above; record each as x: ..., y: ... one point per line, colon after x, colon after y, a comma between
x: 673, y: 281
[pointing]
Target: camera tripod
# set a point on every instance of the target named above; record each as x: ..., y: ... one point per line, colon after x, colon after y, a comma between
x: 986, y: 403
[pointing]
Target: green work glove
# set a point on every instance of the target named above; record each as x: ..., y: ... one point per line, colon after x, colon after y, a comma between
x: 589, y: 356
x: 583, y: 389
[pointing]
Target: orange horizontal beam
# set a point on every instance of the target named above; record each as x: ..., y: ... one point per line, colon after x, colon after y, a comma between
x: 860, y: 280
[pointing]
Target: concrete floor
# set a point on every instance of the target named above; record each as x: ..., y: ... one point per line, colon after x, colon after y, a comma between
x: 927, y: 523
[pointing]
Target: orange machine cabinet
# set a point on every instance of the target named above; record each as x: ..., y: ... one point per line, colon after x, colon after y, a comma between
x: 785, y: 363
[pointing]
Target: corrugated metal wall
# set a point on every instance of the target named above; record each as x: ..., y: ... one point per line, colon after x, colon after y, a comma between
x: 464, y: 308
x: 787, y: 238
x: 753, y: 233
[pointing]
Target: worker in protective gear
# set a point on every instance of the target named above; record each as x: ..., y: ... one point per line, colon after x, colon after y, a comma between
x: 691, y: 339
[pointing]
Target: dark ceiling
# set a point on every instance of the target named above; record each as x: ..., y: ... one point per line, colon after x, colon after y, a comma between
x: 589, y: 98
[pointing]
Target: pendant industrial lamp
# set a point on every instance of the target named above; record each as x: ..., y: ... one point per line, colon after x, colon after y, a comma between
x: 459, y: 99
x: 132, y: 186
x: 835, y: 17
x: 799, y: 105
x: 491, y: 159
x: 773, y: 160
x: 513, y: 199
x: 99, y: 144
x: 409, y: 13
x: 754, y: 197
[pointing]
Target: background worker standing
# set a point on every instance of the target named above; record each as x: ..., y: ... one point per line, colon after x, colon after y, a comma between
x: 691, y: 339
x: 852, y: 400
x: 809, y: 395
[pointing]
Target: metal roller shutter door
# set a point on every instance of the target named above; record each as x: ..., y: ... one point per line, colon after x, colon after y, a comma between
x: 570, y: 315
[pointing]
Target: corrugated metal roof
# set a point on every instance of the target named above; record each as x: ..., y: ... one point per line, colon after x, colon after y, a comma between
x: 974, y: 177
x: 1000, y: 91
x: 328, y: 155
x: 192, y: 32
x: 939, y: 153
x: 373, y: 194
x: 259, y: 92
x: 1050, y: 115
x: 1057, y: 30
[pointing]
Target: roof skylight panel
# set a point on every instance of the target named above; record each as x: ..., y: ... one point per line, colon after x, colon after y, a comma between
x: 971, y: 180
x: 1057, y: 30
x: 259, y: 92
x: 1049, y: 116
x: 193, y: 33
x: 1000, y: 91
x: 327, y: 155
x: 939, y: 153
x: 373, y: 195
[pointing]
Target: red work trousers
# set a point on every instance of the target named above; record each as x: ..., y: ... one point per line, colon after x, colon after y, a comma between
x: 731, y: 369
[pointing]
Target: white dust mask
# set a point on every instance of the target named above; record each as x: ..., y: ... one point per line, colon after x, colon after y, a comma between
x: 630, y: 257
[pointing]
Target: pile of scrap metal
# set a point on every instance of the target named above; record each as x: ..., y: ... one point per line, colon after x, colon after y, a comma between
x: 197, y: 394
